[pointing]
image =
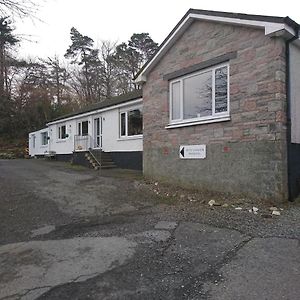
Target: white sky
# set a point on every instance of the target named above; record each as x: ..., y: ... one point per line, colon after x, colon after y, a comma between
x: 119, y: 19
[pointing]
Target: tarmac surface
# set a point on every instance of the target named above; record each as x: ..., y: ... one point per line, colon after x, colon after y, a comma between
x: 67, y: 232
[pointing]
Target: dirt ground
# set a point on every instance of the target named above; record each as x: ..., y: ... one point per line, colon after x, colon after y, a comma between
x: 67, y: 232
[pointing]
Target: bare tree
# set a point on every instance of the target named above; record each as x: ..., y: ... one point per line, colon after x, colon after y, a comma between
x: 18, y: 8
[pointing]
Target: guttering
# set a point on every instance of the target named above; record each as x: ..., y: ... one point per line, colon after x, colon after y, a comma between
x: 288, y: 109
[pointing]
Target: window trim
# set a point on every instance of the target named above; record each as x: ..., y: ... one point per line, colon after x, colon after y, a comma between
x: 47, y: 140
x: 214, y: 116
x: 33, y: 141
x: 59, y: 131
x: 125, y: 111
x: 79, y: 132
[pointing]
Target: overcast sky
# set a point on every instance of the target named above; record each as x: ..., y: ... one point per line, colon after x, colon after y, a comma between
x: 117, y: 20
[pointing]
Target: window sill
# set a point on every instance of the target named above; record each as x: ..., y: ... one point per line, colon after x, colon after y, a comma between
x: 134, y: 137
x: 61, y: 141
x: 199, y: 122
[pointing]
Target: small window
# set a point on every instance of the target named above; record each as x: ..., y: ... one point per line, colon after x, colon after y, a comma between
x: 131, y: 122
x: 200, y: 96
x: 44, y: 138
x: 123, y: 124
x: 33, y: 140
x: 83, y: 128
x: 62, y: 132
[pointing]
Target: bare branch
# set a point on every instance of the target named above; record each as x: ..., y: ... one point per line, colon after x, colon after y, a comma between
x: 19, y: 8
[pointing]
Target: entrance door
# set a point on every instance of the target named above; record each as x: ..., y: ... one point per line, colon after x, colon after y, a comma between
x: 98, y: 133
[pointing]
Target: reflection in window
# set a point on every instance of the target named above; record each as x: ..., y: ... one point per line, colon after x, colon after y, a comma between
x: 131, y: 122
x: 44, y: 138
x: 197, y: 96
x: 62, y: 132
x: 221, y: 90
x: 201, y: 95
x: 135, y: 122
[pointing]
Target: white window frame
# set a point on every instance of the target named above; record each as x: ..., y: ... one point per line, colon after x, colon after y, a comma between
x: 42, y: 140
x: 59, y: 132
x: 214, y: 117
x: 33, y: 141
x: 80, y: 123
x: 125, y: 111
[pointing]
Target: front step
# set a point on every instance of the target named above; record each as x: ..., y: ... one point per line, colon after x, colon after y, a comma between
x: 104, y: 158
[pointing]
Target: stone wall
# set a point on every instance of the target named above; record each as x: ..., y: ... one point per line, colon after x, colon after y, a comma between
x: 246, y: 155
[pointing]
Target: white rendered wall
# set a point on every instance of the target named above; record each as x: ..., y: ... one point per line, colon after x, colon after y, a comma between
x: 111, y: 133
x: 65, y: 146
x: 295, y: 93
x: 38, y: 149
x: 111, y: 141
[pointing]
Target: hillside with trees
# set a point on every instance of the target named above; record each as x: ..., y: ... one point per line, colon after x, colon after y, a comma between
x: 34, y: 91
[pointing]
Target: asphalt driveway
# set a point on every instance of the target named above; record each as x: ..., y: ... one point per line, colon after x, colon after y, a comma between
x: 71, y: 233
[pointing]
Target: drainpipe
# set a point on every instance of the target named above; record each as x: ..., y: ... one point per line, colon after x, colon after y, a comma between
x: 288, y: 110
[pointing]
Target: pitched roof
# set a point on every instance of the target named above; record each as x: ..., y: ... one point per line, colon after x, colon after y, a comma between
x: 134, y: 95
x: 191, y: 14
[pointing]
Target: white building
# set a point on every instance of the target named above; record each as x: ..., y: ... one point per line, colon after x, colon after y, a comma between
x: 110, y: 131
x: 38, y: 142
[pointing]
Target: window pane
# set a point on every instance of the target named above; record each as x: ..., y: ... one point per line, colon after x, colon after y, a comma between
x: 123, y: 128
x: 63, y: 131
x: 85, y: 129
x: 135, y: 122
x: 221, y: 90
x: 79, y: 128
x: 176, y: 101
x: 197, y: 96
x: 44, y: 136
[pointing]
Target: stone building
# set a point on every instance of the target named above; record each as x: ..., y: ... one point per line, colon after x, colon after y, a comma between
x: 223, y: 89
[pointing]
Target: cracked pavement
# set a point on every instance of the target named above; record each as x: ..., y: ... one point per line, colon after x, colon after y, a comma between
x: 72, y: 233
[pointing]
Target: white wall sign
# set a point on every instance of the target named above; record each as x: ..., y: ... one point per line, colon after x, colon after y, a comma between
x: 192, y: 151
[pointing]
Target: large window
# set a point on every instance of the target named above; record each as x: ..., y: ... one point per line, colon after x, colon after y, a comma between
x: 83, y: 128
x: 131, y: 122
x: 62, y: 134
x: 44, y: 138
x: 200, y: 96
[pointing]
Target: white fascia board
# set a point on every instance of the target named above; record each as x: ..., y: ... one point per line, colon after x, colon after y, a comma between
x: 93, y: 112
x: 46, y: 129
x: 270, y: 28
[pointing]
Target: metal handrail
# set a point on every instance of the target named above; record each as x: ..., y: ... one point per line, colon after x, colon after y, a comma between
x: 92, y: 154
x: 94, y: 157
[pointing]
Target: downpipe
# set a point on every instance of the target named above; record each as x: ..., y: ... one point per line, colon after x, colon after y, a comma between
x: 288, y: 111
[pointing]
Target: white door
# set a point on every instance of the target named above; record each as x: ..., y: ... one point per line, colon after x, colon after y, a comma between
x: 98, y: 133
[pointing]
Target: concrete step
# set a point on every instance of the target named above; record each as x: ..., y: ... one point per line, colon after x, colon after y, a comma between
x: 104, y: 158
x: 106, y: 161
x: 109, y: 167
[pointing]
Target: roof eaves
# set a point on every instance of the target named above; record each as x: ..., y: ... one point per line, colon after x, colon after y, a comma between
x: 271, y: 19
